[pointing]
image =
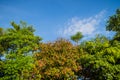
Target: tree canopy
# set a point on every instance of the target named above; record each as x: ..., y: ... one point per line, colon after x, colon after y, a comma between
x: 23, y: 56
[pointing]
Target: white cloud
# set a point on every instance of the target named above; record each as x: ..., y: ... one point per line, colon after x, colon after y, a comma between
x: 87, y: 26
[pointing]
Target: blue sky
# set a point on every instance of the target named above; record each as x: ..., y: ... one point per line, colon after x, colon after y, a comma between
x: 59, y: 18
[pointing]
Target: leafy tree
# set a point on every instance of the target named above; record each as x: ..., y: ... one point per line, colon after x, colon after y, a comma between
x: 19, y: 44
x: 19, y: 39
x: 101, y: 61
x: 77, y: 37
x: 96, y: 44
x: 113, y: 24
x: 58, y: 60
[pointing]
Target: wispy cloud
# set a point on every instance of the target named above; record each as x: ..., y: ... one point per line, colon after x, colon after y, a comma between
x: 88, y: 26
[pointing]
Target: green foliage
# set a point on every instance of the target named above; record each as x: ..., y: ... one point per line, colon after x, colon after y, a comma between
x: 19, y: 39
x: 18, y: 68
x: 97, y: 44
x: 77, y: 37
x: 101, y: 61
x: 113, y: 24
x: 18, y: 45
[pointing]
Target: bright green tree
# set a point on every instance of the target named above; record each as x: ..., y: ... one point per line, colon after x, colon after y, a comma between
x: 100, y: 60
x: 21, y: 38
x: 19, y: 44
x: 18, y: 67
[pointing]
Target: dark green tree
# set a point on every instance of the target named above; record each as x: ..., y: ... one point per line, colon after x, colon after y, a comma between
x: 113, y: 24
